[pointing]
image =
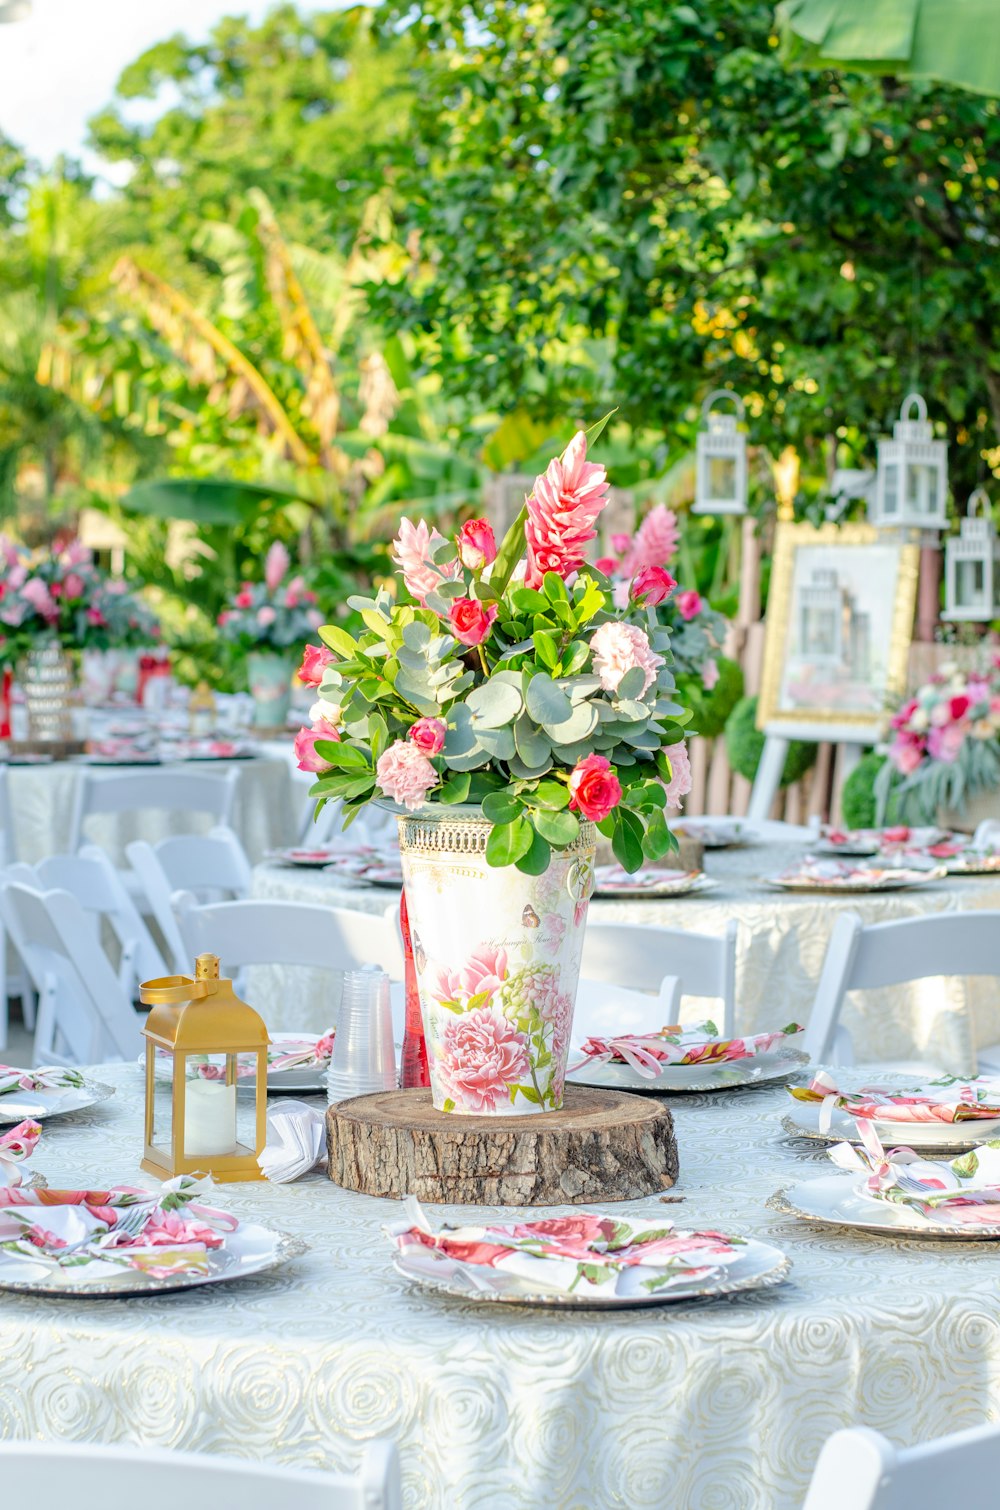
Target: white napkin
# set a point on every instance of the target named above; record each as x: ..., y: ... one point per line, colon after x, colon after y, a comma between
x: 987, y: 835
x: 296, y: 1141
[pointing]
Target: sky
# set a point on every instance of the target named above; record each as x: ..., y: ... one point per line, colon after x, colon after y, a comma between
x: 60, y: 66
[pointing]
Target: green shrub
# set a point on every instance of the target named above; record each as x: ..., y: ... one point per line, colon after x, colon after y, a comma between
x: 745, y: 746
x: 711, y: 709
x: 857, y: 800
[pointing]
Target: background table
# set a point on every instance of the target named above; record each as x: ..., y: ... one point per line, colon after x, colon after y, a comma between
x: 782, y: 941
x: 709, y: 1407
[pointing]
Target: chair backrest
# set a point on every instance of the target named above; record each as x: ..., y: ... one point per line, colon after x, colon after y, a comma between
x: 642, y: 958
x: 859, y: 1469
x: 862, y: 957
x: 159, y: 791
x: 84, y: 1015
x: 8, y: 838
x: 289, y: 933
x: 101, y: 892
x: 161, y: 1479
x: 212, y: 867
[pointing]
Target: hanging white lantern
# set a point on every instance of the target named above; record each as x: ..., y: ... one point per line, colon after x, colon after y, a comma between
x: 912, y: 479
x: 972, y: 566
x: 721, y: 482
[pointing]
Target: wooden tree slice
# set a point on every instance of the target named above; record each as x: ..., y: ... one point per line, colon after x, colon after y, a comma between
x: 602, y: 1145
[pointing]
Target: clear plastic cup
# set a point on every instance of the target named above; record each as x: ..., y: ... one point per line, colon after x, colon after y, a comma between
x: 364, y: 1054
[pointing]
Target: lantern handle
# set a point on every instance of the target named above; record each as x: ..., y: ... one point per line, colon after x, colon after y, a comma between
x: 907, y: 405
x: 171, y: 990
x: 721, y: 393
x: 979, y: 499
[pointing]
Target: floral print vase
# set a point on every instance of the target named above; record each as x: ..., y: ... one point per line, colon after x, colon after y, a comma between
x: 497, y: 955
x: 269, y: 675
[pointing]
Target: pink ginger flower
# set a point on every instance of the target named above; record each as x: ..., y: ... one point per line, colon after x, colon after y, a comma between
x: 484, y: 972
x: 428, y: 734
x: 689, y: 604
x: 617, y: 648
x: 654, y: 542
x: 562, y: 508
x: 306, y: 756
x: 405, y: 775
x: 680, y: 777
x: 276, y: 564
x: 411, y: 551
x: 481, y: 1056
x: 477, y: 545
x: 315, y: 659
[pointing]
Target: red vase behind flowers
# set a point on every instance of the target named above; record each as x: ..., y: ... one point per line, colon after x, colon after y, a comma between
x: 414, y: 1070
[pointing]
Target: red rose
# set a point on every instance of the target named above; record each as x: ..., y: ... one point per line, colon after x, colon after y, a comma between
x: 655, y: 584
x: 314, y: 662
x: 470, y: 621
x: 477, y: 545
x: 959, y: 707
x: 594, y: 789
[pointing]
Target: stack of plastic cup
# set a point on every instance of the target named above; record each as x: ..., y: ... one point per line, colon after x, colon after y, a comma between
x: 364, y: 1053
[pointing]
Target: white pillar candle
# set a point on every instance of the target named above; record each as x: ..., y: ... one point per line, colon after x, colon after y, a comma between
x: 209, y: 1118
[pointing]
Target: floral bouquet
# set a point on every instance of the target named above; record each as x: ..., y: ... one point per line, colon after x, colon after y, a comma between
x: 520, y: 680
x: 64, y: 596
x: 275, y: 613
x: 945, y: 745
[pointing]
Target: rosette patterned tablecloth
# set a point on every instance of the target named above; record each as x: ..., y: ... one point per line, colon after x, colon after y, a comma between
x: 782, y: 942
x: 702, y: 1406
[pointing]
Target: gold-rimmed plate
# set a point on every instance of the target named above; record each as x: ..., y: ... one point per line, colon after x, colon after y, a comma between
x: 682, y: 1079
x: 36, y: 1106
x: 838, y: 1200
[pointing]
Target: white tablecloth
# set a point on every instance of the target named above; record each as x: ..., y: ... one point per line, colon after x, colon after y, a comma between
x: 266, y: 813
x: 782, y: 942
x: 693, y: 1407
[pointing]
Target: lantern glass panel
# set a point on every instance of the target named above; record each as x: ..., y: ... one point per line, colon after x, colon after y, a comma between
x: 209, y: 1106
x: 890, y: 493
x: 722, y: 477
x: 921, y: 488
x: 971, y: 585
x: 163, y: 1111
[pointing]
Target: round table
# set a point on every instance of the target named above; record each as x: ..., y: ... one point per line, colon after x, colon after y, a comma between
x: 709, y: 1406
x: 781, y: 945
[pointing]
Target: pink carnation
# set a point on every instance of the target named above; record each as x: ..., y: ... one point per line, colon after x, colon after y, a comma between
x: 37, y: 594
x: 315, y: 659
x: 305, y: 745
x: 562, y: 508
x: 680, y: 773
x: 428, y: 735
x: 405, y: 775
x: 276, y: 565
x: 617, y: 648
x: 411, y: 551
x: 481, y: 1056
x: 654, y: 542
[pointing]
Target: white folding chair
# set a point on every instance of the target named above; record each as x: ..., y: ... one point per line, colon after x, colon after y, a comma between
x: 212, y: 867
x: 84, y: 1015
x: 156, y: 791
x: 862, y: 957
x: 646, y: 958
x: 859, y: 1469
x: 101, y: 892
x: 161, y: 1479
x: 289, y: 933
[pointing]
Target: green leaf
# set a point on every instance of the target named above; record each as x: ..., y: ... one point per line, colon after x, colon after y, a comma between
x: 509, y: 841
x: 657, y: 840
x: 546, y: 648
x: 510, y: 552
x: 626, y: 841
x: 501, y: 807
x: 554, y: 588
x: 535, y: 861
x: 551, y: 794
x: 378, y: 735
x: 531, y: 744
x: 494, y: 704
x: 339, y: 641
x: 528, y: 600
x: 456, y: 788
x: 343, y: 756
x: 559, y: 828
x: 631, y: 684
x: 546, y: 702
x: 595, y: 431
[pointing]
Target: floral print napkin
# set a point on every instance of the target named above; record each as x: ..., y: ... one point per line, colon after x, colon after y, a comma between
x: 947, y: 1099
x: 648, y: 1053
x: 959, y: 1192
x: 95, y: 1230
x: 16, y: 1145
x: 54, y: 1078
x: 591, y: 1252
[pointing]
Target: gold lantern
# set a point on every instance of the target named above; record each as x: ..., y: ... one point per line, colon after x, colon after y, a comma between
x: 196, y: 1123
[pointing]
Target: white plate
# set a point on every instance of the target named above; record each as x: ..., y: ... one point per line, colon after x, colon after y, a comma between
x: 837, y: 1200
x: 849, y: 885
x: 760, y: 1267
x: 677, y: 883
x: 251, y: 1249
x: 716, y: 833
x: 310, y: 859
x: 802, y: 1121
x: 310, y: 1077
x: 675, y: 1078
x: 16, y: 1106
x: 973, y: 865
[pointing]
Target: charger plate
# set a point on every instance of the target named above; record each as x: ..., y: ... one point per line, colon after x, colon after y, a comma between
x: 883, y: 879
x: 761, y: 1267
x: 613, y: 881
x: 676, y: 1079
x: 835, y: 1200
x: 17, y: 1106
x: 802, y: 1121
x: 251, y: 1249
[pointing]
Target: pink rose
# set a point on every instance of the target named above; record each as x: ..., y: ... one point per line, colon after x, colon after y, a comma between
x: 709, y: 674
x: 276, y: 565
x: 958, y: 707
x: 224, y: 617
x: 481, y: 1056
x: 73, y: 585
x: 477, y: 546
x: 689, y: 604
x: 315, y: 659
x: 617, y: 648
x: 405, y: 775
x: 594, y: 789
x: 906, y: 752
x: 606, y: 564
x: 244, y: 598
x: 945, y: 743
x: 266, y: 615
x: 470, y: 620
x: 562, y: 508
x: 305, y: 745
x: 37, y: 594
x: 95, y: 617
x: 654, y: 584
x: 680, y: 777
x: 428, y: 735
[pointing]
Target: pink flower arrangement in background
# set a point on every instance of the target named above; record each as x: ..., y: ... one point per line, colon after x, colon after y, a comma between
x: 65, y: 596
x: 937, y: 741
x: 275, y: 612
x: 562, y: 509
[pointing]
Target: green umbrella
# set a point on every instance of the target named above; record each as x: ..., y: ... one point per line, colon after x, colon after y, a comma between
x: 953, y: 41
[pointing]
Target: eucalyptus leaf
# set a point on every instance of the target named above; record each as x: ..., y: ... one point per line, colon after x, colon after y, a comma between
x: 494, y: 704
x: 632, y: 683
x: 545, y: 701
x: 531, y: 744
